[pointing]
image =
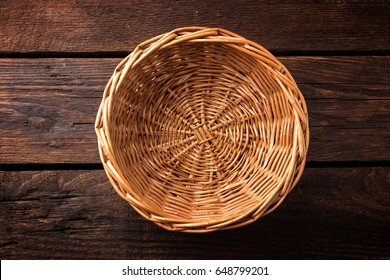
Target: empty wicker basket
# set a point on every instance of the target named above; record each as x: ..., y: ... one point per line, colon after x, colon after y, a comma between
x: 200, y: 129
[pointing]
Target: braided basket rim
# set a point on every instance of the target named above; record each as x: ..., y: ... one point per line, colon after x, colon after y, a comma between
x: 195, y: 35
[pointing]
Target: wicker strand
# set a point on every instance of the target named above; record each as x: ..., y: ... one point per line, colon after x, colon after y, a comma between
x: 200, y: 129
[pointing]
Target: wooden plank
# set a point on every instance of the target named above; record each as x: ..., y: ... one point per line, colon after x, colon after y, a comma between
x: 332, y: 213
x: 111, y: 26
x: 48, y: 107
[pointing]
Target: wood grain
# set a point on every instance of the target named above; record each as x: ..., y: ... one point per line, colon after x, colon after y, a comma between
x: 48, y: 107
x: 333, y: 213
x: 112, y: 26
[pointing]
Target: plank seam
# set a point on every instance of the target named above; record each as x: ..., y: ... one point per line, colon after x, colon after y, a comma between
x: 98, y: 166
x: 122, y: 54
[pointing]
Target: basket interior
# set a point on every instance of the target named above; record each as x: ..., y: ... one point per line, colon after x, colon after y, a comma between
x: 202, y: 131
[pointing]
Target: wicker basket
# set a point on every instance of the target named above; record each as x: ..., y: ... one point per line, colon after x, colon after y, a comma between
x: 200, y: 129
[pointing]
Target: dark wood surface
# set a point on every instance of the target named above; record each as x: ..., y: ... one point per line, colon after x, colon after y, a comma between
x: 111, y: 25
x: 55, y: 59
x: 341, y: 212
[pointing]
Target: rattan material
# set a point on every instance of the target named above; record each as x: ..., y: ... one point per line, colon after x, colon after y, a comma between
x: 200, y: 129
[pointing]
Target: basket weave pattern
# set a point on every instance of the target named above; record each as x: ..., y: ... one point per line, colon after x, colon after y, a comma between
x: 200, y: 129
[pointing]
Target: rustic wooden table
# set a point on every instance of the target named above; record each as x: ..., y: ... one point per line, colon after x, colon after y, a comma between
x: 55, y: 59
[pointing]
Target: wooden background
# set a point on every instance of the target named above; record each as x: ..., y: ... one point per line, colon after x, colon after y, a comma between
x: 57, y: 56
